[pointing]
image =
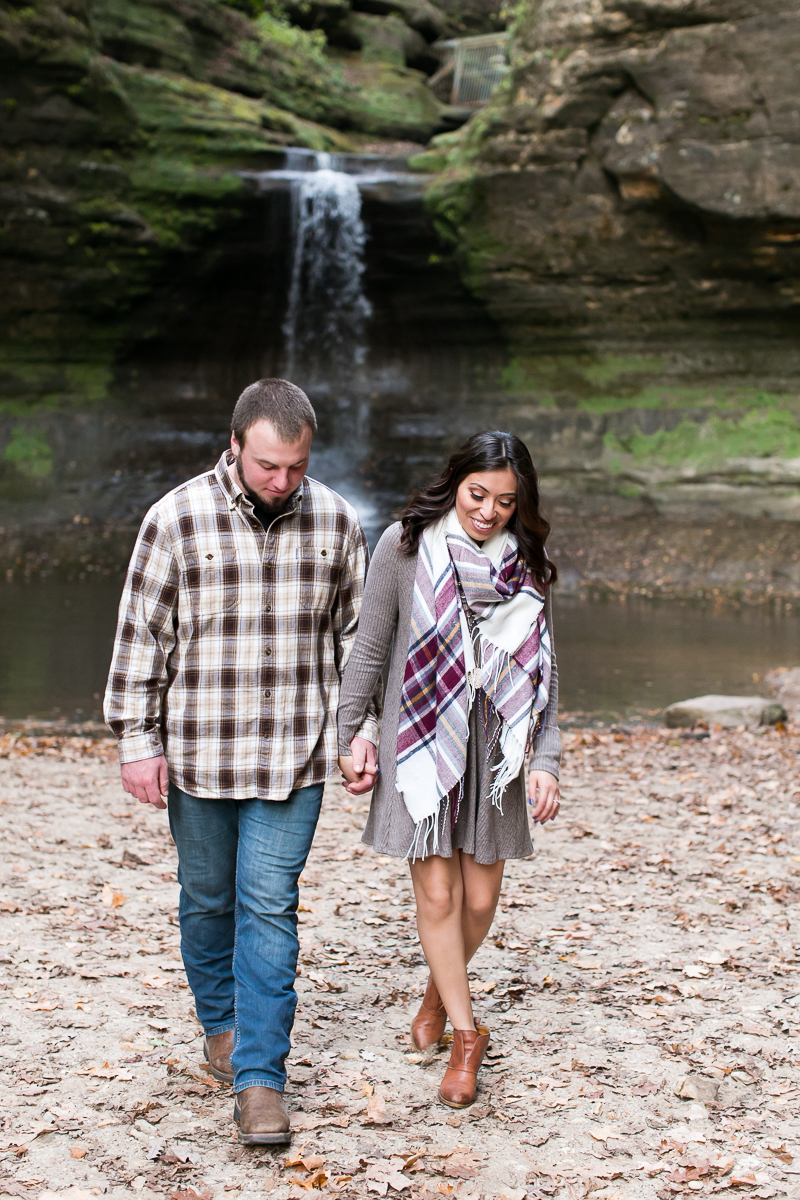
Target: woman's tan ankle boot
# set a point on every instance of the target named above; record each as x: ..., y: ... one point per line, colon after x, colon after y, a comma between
x: 461, y: 1077
x: 428, y: 1025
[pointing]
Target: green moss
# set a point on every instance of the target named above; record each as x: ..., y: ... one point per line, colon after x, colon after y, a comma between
x: 390, y: 100
x: 710, y: 444
x: 723, y: 396
x: 29, y: 454
x: 611, y: 367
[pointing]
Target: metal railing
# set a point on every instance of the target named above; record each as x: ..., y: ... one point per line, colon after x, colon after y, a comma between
x: 471, y: 69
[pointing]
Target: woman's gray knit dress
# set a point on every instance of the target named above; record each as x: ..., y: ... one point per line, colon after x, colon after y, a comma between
x: 480, y: 829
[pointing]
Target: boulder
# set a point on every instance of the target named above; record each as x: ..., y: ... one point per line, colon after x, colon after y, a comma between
x: 728, y: 711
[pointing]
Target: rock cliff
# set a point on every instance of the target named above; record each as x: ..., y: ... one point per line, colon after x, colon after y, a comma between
x: 638, y: 172
x: 124, y: 129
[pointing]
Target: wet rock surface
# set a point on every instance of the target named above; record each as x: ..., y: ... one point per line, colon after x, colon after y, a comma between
x: 640, y: 982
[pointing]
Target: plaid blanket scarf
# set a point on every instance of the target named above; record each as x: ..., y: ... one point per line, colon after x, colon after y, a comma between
x: 508, y: 655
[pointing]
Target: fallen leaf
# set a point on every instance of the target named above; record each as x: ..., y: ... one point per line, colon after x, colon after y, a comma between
x: 110, y: 898
x: 376, y: 1111
x: 311, y: 1162
x: 602, y: 1134
x: 714, y: 957
x: 646, y: 1087
x: 153, y: 981
x: 306, y: 1122
x: 327, y: 985
x: 38, y: 1128
x: 383, y: 1175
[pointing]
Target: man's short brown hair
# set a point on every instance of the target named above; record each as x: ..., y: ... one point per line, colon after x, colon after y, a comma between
x: 286, y: 407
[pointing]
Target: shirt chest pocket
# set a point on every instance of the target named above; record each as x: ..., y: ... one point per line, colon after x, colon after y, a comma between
x: 318, y: 575
x: 212, y: 581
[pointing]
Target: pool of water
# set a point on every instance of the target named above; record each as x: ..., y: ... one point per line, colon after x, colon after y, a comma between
x: 615, y: 660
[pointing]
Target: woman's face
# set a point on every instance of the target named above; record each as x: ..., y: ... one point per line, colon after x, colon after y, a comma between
x: 485, y: 502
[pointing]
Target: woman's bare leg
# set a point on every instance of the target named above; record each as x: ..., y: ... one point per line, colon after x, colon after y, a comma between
x: 456, y: 902
x: 482, y: 886
x: 439, y: 892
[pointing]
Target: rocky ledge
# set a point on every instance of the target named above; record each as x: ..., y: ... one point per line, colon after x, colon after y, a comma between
x: 639, y: 170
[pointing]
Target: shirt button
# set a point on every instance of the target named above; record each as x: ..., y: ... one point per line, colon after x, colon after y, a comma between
x: 268, y: 694
x: 268, y: 650
x: 268, y: 608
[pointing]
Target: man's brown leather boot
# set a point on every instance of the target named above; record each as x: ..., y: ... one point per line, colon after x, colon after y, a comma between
x: 262, y: 1117
x: 461, y: 1077
x: 428, y: 1025
x: 217, y: 1051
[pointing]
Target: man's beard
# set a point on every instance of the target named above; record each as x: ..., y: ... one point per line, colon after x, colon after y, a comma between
x: 273, y: 507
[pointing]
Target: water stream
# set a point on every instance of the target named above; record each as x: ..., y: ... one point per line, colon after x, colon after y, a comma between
x: 327, y: 310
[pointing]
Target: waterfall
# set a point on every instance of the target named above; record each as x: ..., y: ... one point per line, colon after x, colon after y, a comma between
x: 327, y: 310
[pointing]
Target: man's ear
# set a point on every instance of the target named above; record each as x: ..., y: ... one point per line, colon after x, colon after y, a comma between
x: 234, y: 444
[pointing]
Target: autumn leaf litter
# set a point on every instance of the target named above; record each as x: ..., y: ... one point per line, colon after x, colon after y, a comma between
x: 641, y: 984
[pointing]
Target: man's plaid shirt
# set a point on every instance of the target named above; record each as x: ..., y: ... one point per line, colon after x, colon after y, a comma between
x: 232, y: 641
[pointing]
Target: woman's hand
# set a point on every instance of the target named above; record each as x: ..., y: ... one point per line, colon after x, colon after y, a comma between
x: 360, y: 767
x: 544, y: 795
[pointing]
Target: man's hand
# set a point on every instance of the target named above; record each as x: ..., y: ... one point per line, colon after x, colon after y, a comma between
x: 147, y: 779
x: 544, y: 795
x: 359, y: 768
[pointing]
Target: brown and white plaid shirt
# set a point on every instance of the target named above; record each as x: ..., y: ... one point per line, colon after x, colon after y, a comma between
x: 232, y: 640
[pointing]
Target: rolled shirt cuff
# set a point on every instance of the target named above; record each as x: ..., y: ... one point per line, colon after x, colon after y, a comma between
x: 136, y: 746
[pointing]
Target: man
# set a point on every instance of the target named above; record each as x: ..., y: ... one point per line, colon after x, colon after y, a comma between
x: 239, y: 612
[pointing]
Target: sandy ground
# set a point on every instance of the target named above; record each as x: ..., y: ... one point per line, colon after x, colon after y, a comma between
x: 641, y: 984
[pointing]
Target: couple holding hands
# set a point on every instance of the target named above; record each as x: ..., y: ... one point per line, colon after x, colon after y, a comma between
x: 245, y: 614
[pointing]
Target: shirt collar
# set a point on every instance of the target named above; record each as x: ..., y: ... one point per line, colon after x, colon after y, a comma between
x: 235, y: 494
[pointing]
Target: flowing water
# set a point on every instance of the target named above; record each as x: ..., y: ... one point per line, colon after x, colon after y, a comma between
x: 327, y: 310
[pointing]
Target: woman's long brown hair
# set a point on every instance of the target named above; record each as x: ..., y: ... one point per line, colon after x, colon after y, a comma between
x: 490, y: 450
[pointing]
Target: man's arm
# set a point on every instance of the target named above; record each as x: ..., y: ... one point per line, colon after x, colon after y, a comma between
x: 138, y: 677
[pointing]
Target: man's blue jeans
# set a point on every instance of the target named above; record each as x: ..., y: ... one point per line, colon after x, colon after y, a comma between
x: 239, y: 862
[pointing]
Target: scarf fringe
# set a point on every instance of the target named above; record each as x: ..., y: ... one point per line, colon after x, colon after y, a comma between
x: 504, y: 775
x: 422, y: 831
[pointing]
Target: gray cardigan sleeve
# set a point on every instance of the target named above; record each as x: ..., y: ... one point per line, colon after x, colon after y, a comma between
x: 376, y: 628
x: 547, y: 744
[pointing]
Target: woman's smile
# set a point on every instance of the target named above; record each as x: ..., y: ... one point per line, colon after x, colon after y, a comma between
x: 480, y: 525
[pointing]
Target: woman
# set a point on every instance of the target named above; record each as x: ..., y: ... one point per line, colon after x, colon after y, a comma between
x: 459, y: 590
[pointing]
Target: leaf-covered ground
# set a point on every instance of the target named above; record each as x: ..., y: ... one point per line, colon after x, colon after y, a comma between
x: 640, y: 982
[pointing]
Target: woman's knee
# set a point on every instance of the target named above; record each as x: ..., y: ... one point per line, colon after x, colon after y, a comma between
x: 480, y: 908
x: 440, y: 900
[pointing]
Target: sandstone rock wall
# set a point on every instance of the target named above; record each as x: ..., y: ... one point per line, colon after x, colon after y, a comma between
x: 638, y: 172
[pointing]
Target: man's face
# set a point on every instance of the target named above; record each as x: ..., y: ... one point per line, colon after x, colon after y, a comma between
x: 269, y: 470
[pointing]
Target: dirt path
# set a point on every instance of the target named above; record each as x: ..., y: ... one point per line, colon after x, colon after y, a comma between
x: 650, y: 941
